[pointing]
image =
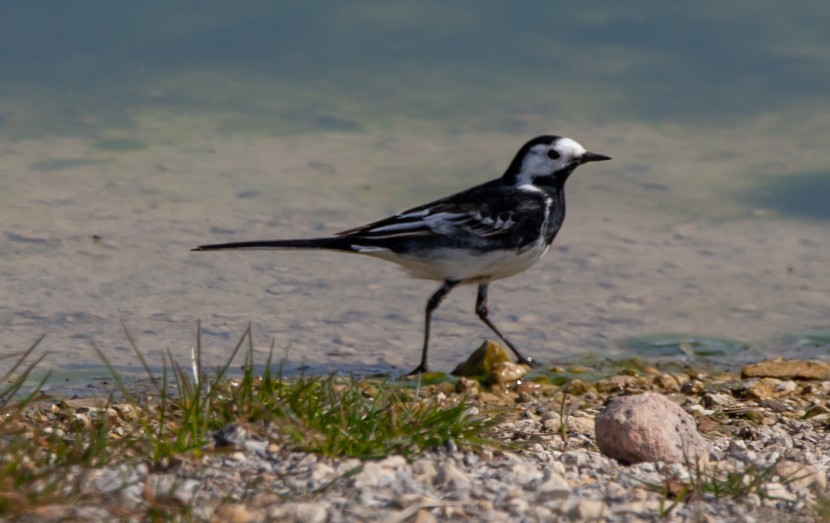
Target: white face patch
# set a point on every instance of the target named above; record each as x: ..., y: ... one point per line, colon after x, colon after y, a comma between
x: 569, y: 148
x: 537, y: 162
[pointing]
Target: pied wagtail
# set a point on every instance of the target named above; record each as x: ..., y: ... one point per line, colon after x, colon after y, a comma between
x: 486, y: 233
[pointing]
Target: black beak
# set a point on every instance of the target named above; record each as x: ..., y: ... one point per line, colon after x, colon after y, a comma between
x: 593, y: 157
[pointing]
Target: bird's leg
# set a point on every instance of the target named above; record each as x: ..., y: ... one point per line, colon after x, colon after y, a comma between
x: 482, y: 311
x: 432, y: 304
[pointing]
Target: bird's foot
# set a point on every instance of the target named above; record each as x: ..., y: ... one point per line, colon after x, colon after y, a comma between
x: 528, y: 360
x: 420, y: 369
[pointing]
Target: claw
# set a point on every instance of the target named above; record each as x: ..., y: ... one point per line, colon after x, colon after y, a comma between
x: 420, y: 369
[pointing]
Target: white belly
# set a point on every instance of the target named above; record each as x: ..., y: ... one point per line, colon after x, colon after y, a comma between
x: 454, y: 264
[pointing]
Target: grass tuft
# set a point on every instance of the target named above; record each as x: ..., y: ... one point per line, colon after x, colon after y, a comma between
x: 718, y: 484
x: 344, y: 417
x: 49, y: 447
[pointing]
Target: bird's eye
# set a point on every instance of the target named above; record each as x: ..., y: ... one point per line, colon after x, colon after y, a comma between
x: 553, y: 154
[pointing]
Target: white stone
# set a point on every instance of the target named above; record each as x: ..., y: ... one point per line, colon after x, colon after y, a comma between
x: 554, y: 488
x: 778, y: 492
x: 588, y: 510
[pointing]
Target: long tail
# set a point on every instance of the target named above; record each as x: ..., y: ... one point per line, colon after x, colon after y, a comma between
x: 339, y: 244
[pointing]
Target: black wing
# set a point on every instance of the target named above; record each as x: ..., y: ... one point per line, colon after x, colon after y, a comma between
x: 488, y: 212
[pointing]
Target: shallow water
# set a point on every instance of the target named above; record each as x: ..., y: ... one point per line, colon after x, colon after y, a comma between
x: 122, y: 149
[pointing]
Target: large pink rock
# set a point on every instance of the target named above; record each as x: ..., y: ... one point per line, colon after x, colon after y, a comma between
x: 649, y: 427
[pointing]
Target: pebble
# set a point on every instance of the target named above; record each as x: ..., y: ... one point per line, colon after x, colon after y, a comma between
x: 788, y: 369
x: 587, y: 510
x: 551, y: 421
x: 424, y: 516
x: 452, y: 479
x: 507, y: 372
x: 778, y: 492
x: 307, y: 512
x: 554, y: 487
x: 801, y: 475
x: 649, y: 427
x: 374, y: 475
x: 185, y: 491
x: 236, y: 513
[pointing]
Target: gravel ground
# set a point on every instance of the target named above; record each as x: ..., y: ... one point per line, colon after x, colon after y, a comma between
x: 769, y: 461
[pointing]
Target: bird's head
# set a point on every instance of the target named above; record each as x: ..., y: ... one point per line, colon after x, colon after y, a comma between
x: 548, y: 160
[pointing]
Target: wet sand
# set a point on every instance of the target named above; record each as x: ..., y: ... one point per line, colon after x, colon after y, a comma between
x: 658, y: 240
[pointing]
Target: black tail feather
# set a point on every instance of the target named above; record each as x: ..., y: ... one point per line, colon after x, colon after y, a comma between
x: 340, y: 244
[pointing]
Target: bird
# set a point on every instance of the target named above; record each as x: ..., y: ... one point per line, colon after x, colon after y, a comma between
x: 474, y: 237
